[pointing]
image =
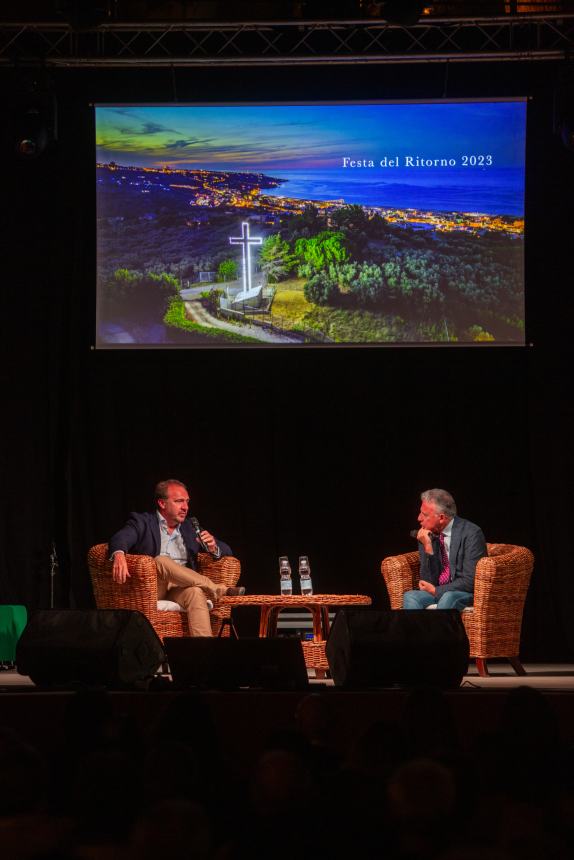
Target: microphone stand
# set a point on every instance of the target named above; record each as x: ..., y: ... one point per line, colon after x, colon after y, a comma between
x: 53, y: 569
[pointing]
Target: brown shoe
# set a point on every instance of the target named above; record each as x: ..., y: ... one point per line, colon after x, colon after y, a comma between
x: 235, y: 591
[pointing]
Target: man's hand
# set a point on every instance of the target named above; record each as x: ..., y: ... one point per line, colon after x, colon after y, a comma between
x: 120, y: 568
x: 427, y: 586
x: 424, y: 536
x: 208, y: 540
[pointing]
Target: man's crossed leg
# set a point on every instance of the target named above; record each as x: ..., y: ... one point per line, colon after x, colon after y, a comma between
x: 191, y: 590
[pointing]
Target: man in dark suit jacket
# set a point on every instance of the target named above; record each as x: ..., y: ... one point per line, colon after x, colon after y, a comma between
x: 449, y: 549
x: 168, y: 536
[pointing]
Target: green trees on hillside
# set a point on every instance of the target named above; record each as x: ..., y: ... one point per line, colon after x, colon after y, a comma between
x: 352, y: 261
x: 317, y: 252
x: 364, y: 263
x: 227, y: 270
x: 128, y: 290
x: 276, y: 259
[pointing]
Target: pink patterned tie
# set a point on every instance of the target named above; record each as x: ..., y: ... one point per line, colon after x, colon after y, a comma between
x: 445, y: 567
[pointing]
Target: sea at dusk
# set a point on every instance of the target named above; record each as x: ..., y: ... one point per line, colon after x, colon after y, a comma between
x: 492, y: 191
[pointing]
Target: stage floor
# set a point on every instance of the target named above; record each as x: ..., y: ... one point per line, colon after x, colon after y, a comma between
x: 542, y: 676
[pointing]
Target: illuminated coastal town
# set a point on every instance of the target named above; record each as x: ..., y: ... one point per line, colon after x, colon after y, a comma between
x: 243, y: 190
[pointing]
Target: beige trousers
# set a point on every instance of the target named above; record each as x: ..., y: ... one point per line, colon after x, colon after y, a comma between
x: 190, y: 589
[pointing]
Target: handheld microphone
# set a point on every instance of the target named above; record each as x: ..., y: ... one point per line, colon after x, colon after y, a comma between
x: 197, y: 527
x: 414, y: 532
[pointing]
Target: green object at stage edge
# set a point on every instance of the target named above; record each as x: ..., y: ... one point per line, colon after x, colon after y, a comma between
x: 13, y: 619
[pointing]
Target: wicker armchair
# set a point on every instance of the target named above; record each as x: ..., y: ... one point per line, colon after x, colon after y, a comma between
x: 493, y: 623
x: 140, y: 591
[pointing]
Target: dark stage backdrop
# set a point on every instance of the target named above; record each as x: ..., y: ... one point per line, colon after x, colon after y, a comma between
x: 313, y: 451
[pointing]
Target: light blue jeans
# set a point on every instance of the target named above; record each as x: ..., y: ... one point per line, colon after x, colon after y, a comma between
x: 449, y: 600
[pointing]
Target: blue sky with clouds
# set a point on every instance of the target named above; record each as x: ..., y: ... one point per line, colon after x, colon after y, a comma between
x: 271, y: 138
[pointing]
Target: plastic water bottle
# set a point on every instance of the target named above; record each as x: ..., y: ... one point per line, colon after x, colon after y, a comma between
x: 305, y: 575
x: 285, y: 576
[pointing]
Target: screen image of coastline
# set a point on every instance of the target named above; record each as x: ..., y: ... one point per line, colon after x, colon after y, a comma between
x: 310, y: 224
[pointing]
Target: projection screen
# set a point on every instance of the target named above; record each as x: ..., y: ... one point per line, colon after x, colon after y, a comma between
x: 324, y: 225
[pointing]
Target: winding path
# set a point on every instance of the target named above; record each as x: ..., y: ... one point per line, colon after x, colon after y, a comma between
x: 200, y: 315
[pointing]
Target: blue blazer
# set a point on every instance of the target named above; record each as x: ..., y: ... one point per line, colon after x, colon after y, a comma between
x: 467, y: 546
x: 141, y: 536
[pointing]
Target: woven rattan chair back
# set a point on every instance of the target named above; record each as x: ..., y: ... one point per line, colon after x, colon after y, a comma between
x: 501, y: 583
x: 140, y: 591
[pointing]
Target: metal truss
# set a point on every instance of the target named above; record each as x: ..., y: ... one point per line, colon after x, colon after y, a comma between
x: 288, y: 43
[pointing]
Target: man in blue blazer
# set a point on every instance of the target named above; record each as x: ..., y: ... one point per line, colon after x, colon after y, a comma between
x: 449, y: 549
x: 168, y: 536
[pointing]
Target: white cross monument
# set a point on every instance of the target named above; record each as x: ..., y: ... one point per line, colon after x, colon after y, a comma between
x: 245, y: 240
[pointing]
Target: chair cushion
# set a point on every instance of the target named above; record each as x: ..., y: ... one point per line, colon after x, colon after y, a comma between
x: 172, y: 606
x: 168, y: 606
x: 466, y: 608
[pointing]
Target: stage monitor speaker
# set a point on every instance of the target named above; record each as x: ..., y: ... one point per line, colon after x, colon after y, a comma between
x: 115, y: 648
x: 219, y: 663
x: 369, y: 648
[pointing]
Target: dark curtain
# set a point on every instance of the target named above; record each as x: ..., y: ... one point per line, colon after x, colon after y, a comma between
x: 322, y: 452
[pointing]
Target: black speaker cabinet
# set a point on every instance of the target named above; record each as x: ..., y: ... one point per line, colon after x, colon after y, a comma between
x: 232, y: 664
x: 369, y: 648
x: 76, y: 647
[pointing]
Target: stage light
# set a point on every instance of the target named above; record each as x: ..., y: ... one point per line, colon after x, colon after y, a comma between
x: 33, y: 135
x: 33, y: 115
